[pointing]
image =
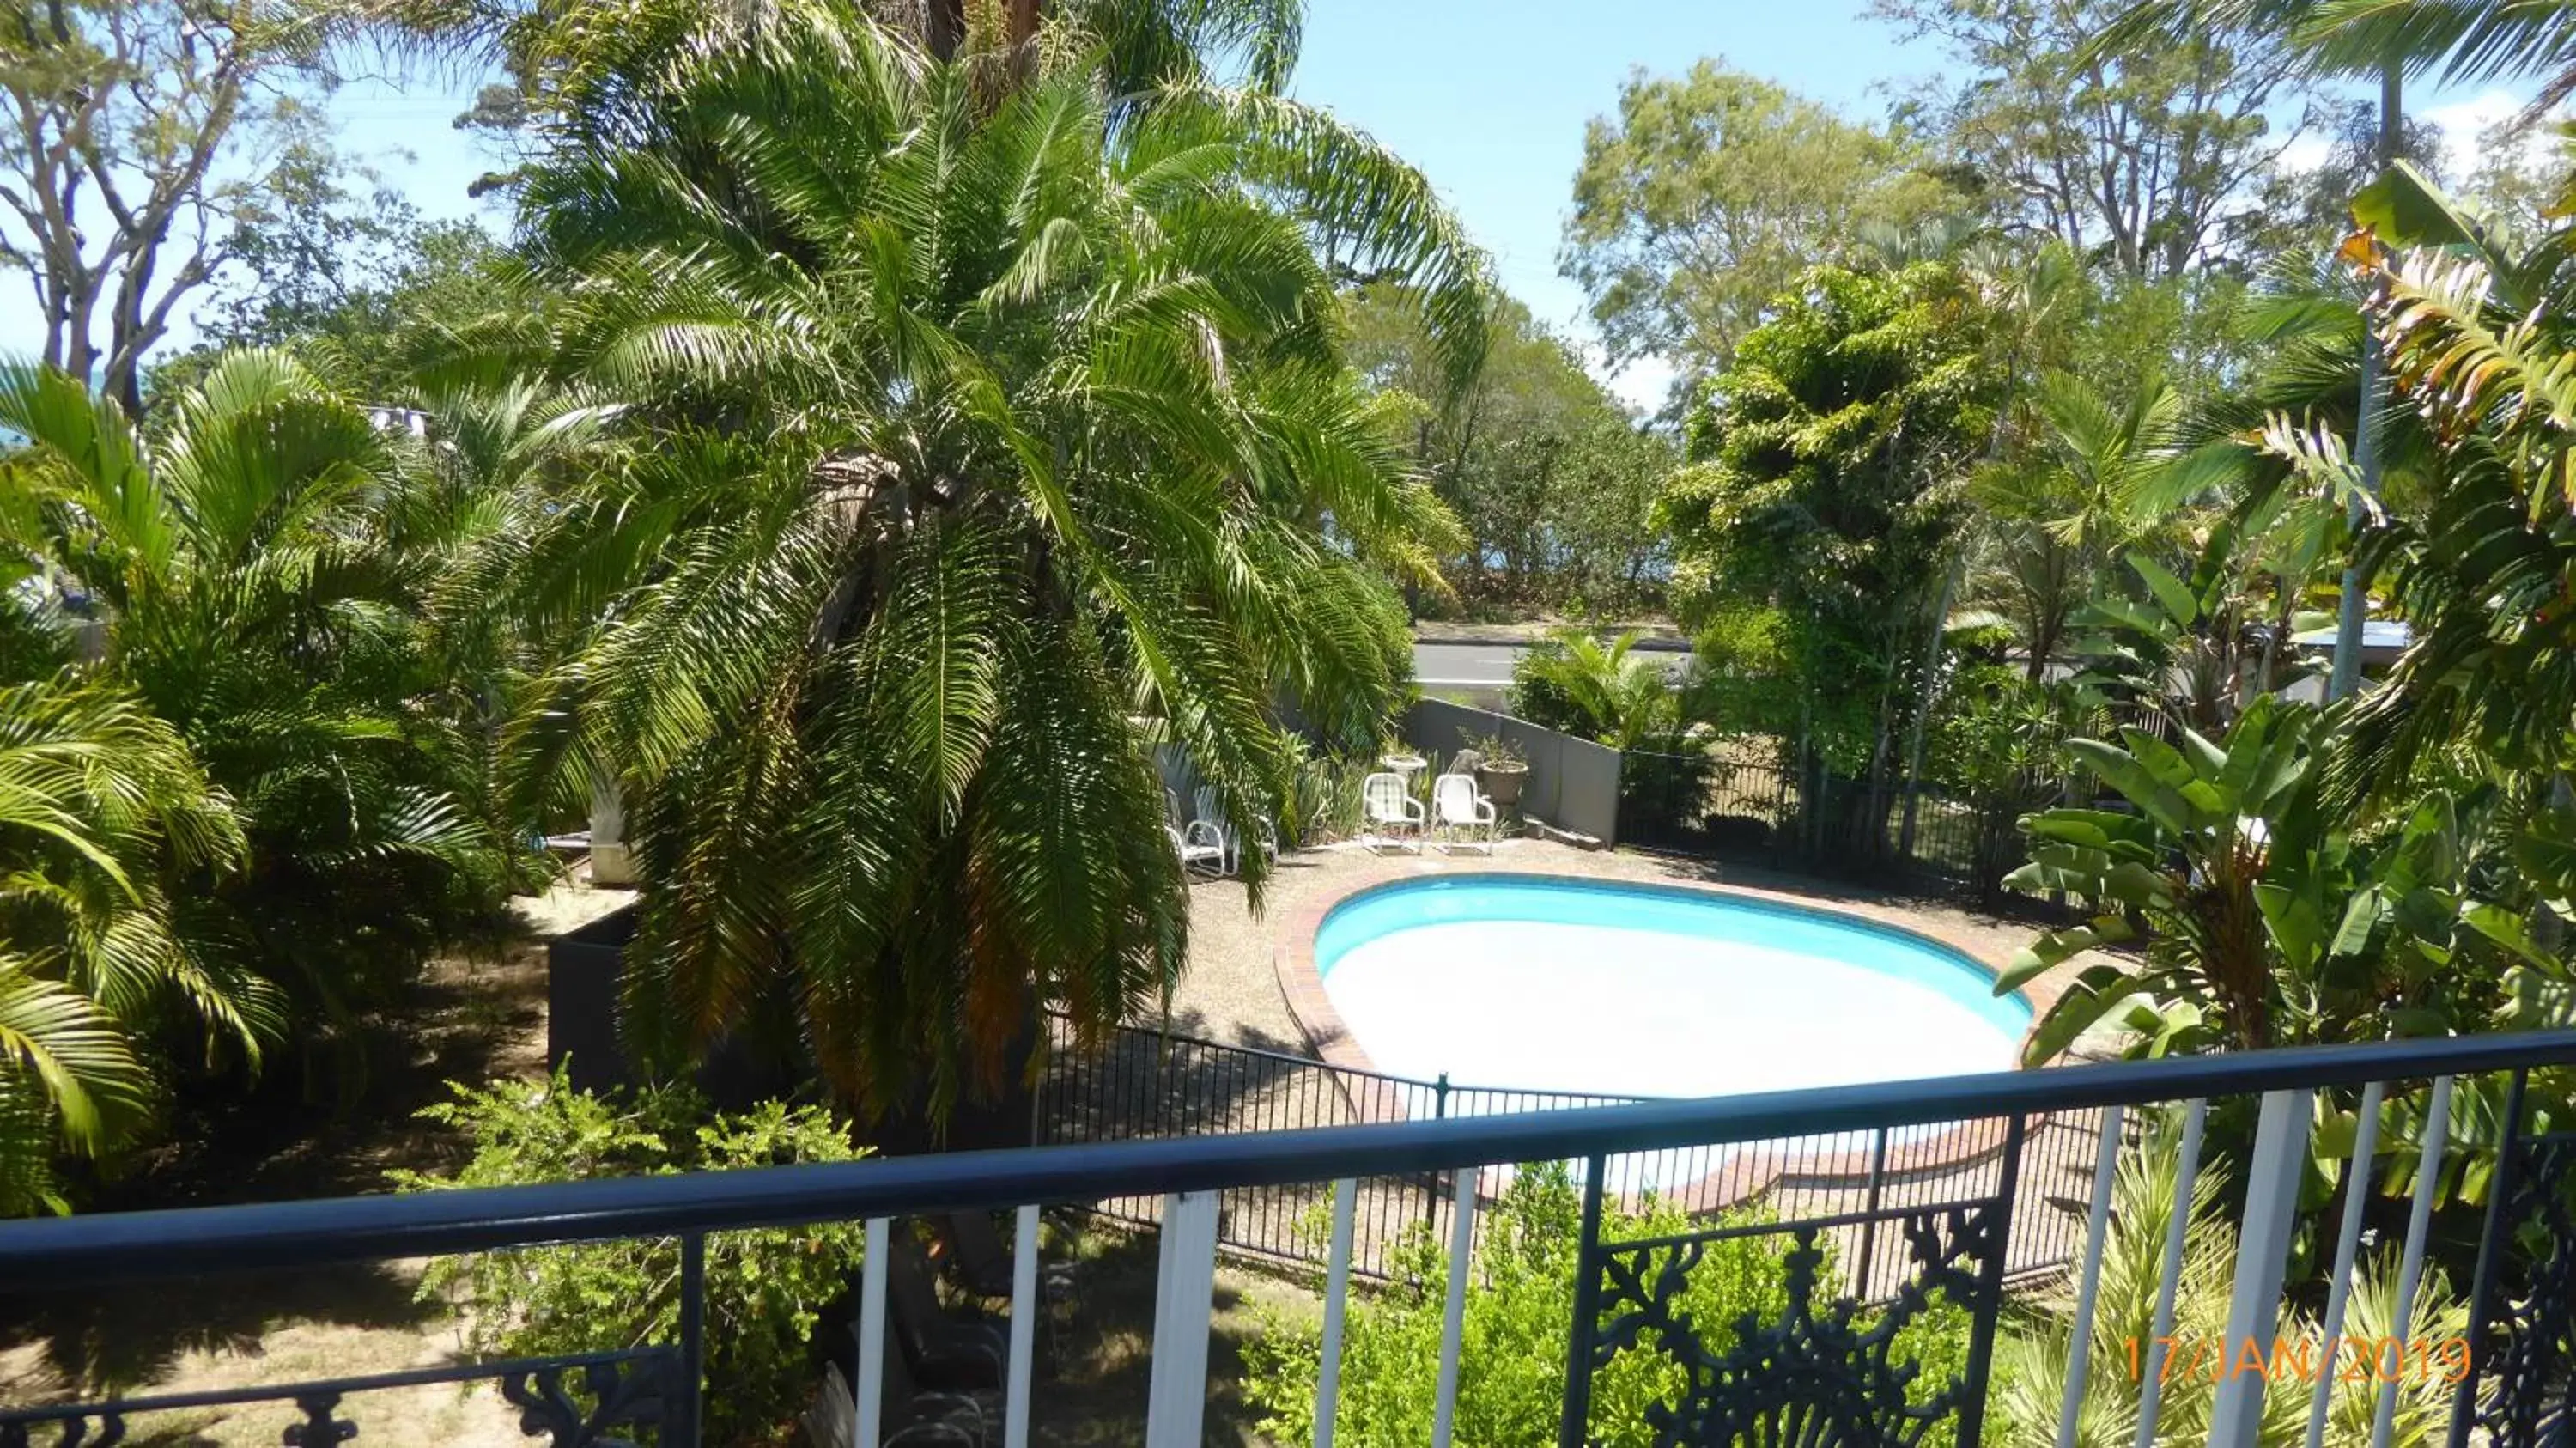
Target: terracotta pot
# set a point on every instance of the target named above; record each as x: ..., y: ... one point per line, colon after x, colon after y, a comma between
x: 1502, y: 782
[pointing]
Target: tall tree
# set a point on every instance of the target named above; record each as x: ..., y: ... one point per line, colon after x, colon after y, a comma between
x: 1826, y: 488
x: 2135, y: 154
x: 979, y: 450
x: 1709, y: 192
x: 256, y: 583
x: 141, y: 136
x: 1549, y: 475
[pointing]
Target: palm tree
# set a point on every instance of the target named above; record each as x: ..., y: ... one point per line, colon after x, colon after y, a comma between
x: 978, y: 449
x: 2054, y: 520
x: 2481, y: 351
x: 1575, y: 681
x: 252, y: 585
x: 97, y: 800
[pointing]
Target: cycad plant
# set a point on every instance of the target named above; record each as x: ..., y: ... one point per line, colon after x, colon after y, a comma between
x: 978, y: 445
x: 1574, y: 681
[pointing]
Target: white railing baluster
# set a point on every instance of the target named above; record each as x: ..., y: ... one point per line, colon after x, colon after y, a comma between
x: 1453, y: 1326
x: 2356, y: 1191
x: 2151, y: 1373
x: 2419, y: 1222
x: 1024, y: 1329
x: 2262, y: 1255
x: 872, y: 1338
x: 1185, y: 1299
x: 1337, y: 1288
x: 2097, y: 1222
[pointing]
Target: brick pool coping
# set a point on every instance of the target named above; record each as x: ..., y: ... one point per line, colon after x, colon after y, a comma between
x: 1744, y: 1177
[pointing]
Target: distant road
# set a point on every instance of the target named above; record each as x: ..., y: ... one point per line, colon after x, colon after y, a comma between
x: 1489, y: 666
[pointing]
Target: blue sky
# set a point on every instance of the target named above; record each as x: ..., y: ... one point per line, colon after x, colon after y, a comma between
x: 1488, y: 97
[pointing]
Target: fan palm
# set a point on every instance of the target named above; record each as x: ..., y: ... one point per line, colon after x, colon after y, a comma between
x: 977, y: 450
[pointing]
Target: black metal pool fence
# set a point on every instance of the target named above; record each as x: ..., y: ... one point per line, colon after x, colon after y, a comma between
x: 1714, y: 805
x: 1147, y: 1085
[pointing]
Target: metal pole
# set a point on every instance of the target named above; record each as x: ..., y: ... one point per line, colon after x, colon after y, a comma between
x: 2491, y: 1245
x: 693, y: 1337
x: 1869, y: 1228
x: 2354, y: 607
x: 1587, y: 1309
x: 2262, y: 1258
x: 1990, y: 1292
x: 2356, y: 1194
x: 1431, y: 1183
x: 2097, y: 1223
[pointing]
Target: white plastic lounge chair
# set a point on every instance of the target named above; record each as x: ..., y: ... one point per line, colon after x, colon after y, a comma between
x: 1385, y: 804
x: 1201, y: 852
x: 1457, y: 805
x: 1213, y: 812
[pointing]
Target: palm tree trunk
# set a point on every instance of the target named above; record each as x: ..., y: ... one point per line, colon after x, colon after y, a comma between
x: 1925, y: 697
x: 2353, y: 608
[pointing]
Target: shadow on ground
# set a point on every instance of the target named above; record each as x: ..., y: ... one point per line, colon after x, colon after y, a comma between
x: 1093, y: 1390
x: 316, y: 1133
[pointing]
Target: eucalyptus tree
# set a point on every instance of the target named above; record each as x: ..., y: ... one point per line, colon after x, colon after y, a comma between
x: 977, y: 444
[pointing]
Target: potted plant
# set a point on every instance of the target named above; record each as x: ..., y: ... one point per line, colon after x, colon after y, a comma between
x: 1501, y: 769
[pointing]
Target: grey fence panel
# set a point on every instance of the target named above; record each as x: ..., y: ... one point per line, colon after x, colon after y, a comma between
x: 1573, y: 783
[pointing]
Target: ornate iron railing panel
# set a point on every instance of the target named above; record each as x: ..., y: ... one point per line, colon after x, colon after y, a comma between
x: 2522, y: 1327
x: 1828, y: 1370
x: 578, y: 1400
x: 1830, y: 1362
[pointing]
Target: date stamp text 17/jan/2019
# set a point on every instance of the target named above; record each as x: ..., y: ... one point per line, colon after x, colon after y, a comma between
x: 2301, y: 1359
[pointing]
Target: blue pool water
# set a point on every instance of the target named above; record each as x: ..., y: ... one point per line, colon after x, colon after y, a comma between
x: 1586, y: 985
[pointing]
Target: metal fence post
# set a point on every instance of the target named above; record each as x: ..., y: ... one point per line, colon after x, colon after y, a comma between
x: 2262, y: 1256
x: 693, y: 1340
x: 1577, y: 1419
x: 1869, y: 1228
x: 1431, y: 1181
x: 1990, y: 1290
x: 2491, y: 1247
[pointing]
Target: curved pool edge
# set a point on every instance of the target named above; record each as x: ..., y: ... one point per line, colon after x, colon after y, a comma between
x: 1301, y: 986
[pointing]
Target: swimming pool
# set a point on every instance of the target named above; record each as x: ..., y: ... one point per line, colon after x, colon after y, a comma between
x: 1555, y: 984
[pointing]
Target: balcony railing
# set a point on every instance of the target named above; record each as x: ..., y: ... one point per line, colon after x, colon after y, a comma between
x: 1830, y: 1368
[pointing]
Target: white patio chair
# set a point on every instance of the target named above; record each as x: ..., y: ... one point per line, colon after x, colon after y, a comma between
x: 1456, y: 804
x: 1212, y: 810
x: 1201, y: 852
x: 1385, y: 804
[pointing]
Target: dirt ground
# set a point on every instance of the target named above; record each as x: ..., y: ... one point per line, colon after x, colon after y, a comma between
x: 479, y: 1021
x: 466, y: 1020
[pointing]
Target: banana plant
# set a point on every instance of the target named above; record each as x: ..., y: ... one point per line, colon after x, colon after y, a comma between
x: 2261, y: 923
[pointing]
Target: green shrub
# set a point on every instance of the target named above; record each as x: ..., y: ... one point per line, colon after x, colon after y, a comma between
x: 1511, y: 1370
x: 765, y: 1289
x: 2033, y: 1349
